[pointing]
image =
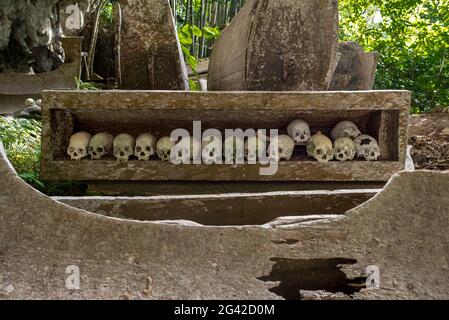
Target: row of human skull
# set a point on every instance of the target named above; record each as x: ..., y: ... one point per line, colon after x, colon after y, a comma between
x: 83, y: 144
x: 123, y: 146
x: 347, y: 142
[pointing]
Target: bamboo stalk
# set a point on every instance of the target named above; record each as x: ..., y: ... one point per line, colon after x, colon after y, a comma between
x: 210, y: 13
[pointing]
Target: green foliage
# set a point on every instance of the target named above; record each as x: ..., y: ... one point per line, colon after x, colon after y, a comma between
x: 199, y: 23
x: 81, y: 85
x: 187, y: 34
x: 211, y: 33
x: 412, y: 37
x: 22, y: 141
x: 106, y: 16
x: 194, y: 85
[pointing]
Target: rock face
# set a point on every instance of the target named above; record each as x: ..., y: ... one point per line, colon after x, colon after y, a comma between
x: 403, y: 233
x: 16, y: 87
x: 148, y: 53
x: 277, y: 45
x: 30, y: 32
x: 356, y: 69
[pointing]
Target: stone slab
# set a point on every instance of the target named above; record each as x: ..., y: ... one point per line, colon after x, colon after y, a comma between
x: 403, y: 230
x: 224, y: 209
x: 277, y: 45
x: 148, y: 51
x: 356, y: 69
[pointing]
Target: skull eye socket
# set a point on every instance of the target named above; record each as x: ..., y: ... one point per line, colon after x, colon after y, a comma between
x: 138, y: 149
x: 318, y: 151
x: 365, y: 142
x: 71, y: 149
x: 91, y: 149
x: 126, y: 149
x: 148, y: 148
x: 100, y: 150
x: 80, y: 150
x: 347, y: 153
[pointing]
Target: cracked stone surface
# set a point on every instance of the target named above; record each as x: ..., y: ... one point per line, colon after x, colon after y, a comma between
x: 404, y: 230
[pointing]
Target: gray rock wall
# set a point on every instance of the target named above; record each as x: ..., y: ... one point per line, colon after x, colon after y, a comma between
x: 30, y: 36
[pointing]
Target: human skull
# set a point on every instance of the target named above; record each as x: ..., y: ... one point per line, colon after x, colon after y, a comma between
x: 145, y: 146
x: 344, y: 149
x: 254, y: 147
x: 234, y: 149
x: 367, y: 147
x: 187, y: 148
x: 345, y: 129
x: 163, y: 148
x: 284, y: 148
x: 30, y: 102
x: 100, y: 145
x: 299, y: 131
x: 212, y: 149
x: 79, y: 145
x: 320, y: 148
x: 123, y: 146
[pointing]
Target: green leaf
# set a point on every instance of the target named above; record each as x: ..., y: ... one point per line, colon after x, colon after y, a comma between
x: 211, y: 33
x: 196, y: 31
